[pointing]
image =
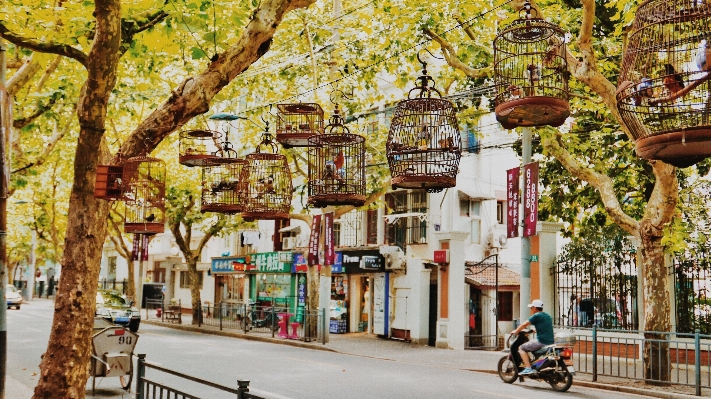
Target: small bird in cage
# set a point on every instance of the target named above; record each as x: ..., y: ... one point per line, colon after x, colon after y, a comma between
x: 672, y: 80
x: 447, y: 143
x: 551, y: 60
x: 265, y: 185
x: 150, y: 217
x: 423, y: 138
x: 533, y: 75
x: 116, y: 185
x: 701, y: 54
x: 514, y: 91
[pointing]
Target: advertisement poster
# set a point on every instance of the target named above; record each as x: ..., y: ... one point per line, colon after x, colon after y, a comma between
x: 512, y: 202
x: 300, y: 298
x: 313, y: 240
x: 328, y: 244
x: 380, y: 303
x: 530, y: 199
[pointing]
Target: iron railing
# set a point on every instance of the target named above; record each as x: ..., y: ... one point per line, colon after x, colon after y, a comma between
x: 114, y: 285
x: 692, y: 288
x: 150, y: 388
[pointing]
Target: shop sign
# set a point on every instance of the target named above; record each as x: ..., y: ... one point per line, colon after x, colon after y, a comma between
x: 301, y: 299
x: 269, y: 262
x: 298, y: 264
x: 362, y: 261
x: 314, y: 240
x: 441, y: 256
x: 328, y: 244
x: 381, y: 290
x: 337, y: 266
x: 229, y: 265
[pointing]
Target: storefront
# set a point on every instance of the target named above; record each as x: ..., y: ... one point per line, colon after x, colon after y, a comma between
x: 271, y: 280
x: 231, y: 284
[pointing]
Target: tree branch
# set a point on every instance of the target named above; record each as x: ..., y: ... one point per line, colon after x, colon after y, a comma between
x: 51, y: 48
x: 450, y: 55
x: 49, y: 147
x: 467, y: 29
x: 50, y: 70
x: 23, y: 75
x: 374, y: 196
x: 41, y: 109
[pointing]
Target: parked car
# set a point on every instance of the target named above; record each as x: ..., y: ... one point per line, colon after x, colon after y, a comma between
x: 12, y: 297
x: 111, y: 306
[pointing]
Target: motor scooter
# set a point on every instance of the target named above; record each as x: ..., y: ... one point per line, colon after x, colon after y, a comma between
x: 269, y: 319
x: 552, y: 364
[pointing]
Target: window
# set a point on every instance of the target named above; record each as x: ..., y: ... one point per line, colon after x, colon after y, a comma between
x: 185, y: 279
x: 337, y: 234
x: 464, y: 207
x: 475, y: 208
x: 411, y: 229
x: 505, y: 306
x: 476, y: 231
x: 112, y: 268
x: 159, y: 272
x: 500, y: 212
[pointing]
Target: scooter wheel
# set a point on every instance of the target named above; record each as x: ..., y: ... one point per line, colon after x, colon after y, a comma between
x: 508, y: 372
x: 561, y: 382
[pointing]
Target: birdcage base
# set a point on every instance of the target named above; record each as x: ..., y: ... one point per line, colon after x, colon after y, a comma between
x: 222, y: 208
x: 143, y: 228
x: 532, y: 111
x: 290, y: 140
x: 324, y: 200
x: 197, y: 159
x: 252, y: 216
x: 682, y: 148
x: 423, y: 182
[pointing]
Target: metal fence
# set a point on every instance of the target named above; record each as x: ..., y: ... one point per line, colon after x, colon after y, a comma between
x: 683, y: 359
x: 114, y: 285
x: 150, y: 388
x: 692, y: 283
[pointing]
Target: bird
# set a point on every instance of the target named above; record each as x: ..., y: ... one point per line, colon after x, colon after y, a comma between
x: 423, y: 138
x: 533, y: 75
x: 672, y: 80
x: 150, y: 217
x: 447, y: 143
x: 514, y: 91
x: 701, y: 56
x: 117, y: 183
x: 339, y: 160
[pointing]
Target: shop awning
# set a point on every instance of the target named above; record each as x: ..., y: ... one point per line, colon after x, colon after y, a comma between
x: 390, y: 219
x: 296, y: 229
x: 485, y: 276
x: 476, y: 194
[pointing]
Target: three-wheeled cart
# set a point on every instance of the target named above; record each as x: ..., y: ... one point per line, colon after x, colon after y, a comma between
x: 112, y: 353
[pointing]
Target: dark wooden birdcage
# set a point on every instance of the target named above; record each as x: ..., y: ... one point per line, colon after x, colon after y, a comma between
x: 664, y: 90
x: 221, y: 188
x: 297, y: 122
x: 424, y: 145
x: 266, y: 181
x: 109, y: 180
x: 336, y: 166
x: 198, y: 147
x: 530, y: 73
x: 144, y: 195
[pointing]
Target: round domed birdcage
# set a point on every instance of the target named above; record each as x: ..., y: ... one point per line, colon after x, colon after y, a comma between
x: 296, y: 123
x: 197, y: 147
x: 530, y: 73
x: 424, y: 146
x: 664, y: 90
x: 144, y: 195
x: 266, y: 182
x: 336, y: 166
x: 221, y: 188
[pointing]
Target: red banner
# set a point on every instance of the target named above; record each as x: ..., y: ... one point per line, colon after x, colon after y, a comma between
x: 136, y: 244
x: 313, y: 240
x: 328, y: 244
x: 512, y: 202
x: 530, y: 199
x: 144, y: 247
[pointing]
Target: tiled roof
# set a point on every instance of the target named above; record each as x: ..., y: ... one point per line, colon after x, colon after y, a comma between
x: 485, y: 276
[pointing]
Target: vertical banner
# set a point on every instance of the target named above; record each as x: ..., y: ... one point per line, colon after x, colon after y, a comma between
x: 144, y: 247
x: 136, y: 244
x: 530, y: 199
x: 512, y: 202
x: 313, y: 240
x: 301, y: 298
x: 328, y: 244
x: 381, y: 291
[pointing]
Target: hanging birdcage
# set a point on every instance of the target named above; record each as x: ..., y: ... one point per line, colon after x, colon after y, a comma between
x: 424, y: 145
x: 197, y: 147
x: 664, y: 90
x: 144, y: 195
x: 530, y: 73
x: 336, y: 166
x: 297, y: 122
x: 266, y: 181
x: 109, y: 180
x: 221, y: 188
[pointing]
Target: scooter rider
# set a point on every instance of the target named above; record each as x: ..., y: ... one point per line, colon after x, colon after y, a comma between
x: 543, y: 323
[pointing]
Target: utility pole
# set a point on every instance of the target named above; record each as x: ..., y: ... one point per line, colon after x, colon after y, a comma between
x: 4, y: 178
x: 525, y: 290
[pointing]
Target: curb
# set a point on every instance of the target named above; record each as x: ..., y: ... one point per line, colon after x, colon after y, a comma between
x: 588, y: 384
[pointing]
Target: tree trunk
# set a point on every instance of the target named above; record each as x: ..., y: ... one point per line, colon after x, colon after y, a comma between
x: 194, y: 289
x: 312, y: 298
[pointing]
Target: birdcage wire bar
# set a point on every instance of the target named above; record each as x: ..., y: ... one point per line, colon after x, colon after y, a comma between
x: 336, y: 170
x: 144, y: 195
x: 197, y: 147
x: 530, y: 74
x: 424, y: 144
x: 297, y: 122
x: 267, y: 186
x: 664, y: 91
x: 221, y: 188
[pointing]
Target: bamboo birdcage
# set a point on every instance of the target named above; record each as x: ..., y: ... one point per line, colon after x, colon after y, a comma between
x: 424, y: 145
x: 144, y: 195
x: 198, y: 147
x: 664, y: 91
x: 266, y: 183
x: 297, y: 122
x: 336, y: 166
x: 530, y: 73
x: 221, y: 188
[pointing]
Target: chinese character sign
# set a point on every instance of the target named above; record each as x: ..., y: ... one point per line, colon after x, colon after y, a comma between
x: 313, y: 240
x: 512, y: 202
x: 328, y: 247
x: 530, y: 199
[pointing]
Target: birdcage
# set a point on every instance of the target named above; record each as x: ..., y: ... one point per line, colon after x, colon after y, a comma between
x: 336, y: 166
x: 297, y: 122
x: 530, y: 73
x: 664, y: 91
x: 109, y: 182
x: 266, y: 182
x: 144, y: 195
x: 221, y: 188
x: 197, y: 147
x: 424, y: 145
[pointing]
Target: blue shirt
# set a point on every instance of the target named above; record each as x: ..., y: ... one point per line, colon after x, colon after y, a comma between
x: 544, y: 327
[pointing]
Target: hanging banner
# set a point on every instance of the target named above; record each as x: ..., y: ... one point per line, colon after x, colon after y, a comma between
x: 144, y: 247
x: 530, y: 199
x: 328, y: 244
x: 136, y: 244
x: 313, y: 240
x: 512, y: 202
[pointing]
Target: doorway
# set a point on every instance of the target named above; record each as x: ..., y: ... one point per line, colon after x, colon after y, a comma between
x: 432, y: 333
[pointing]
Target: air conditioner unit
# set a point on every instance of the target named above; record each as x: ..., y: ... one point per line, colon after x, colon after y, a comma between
x: 394, y: 261
x: 288, y: 243
x: 497, y: 242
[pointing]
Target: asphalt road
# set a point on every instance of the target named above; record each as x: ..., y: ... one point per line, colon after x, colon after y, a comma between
x: 274, y: 371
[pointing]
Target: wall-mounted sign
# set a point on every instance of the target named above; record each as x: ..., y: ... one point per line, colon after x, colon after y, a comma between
x: 360, y: 261
x: 530, y: 199
x: 229, y: 265
x: 441, y: 256
x: 298, y: 264
x: 512, y: 202
x: 269, y: 262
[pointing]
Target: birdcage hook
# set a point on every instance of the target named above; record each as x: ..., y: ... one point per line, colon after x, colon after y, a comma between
x: 527, y: 7
x: 423, y: 87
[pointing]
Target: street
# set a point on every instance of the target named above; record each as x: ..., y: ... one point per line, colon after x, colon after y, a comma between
x: 274, y: 371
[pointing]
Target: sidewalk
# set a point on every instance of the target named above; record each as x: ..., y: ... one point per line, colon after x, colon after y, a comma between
x: 360, y: 344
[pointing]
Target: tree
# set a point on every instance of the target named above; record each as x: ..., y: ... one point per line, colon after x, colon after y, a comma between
x: 657, y: 204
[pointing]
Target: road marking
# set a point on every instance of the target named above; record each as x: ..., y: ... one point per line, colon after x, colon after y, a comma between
x: 495, y: 394
x: 308, y: 361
